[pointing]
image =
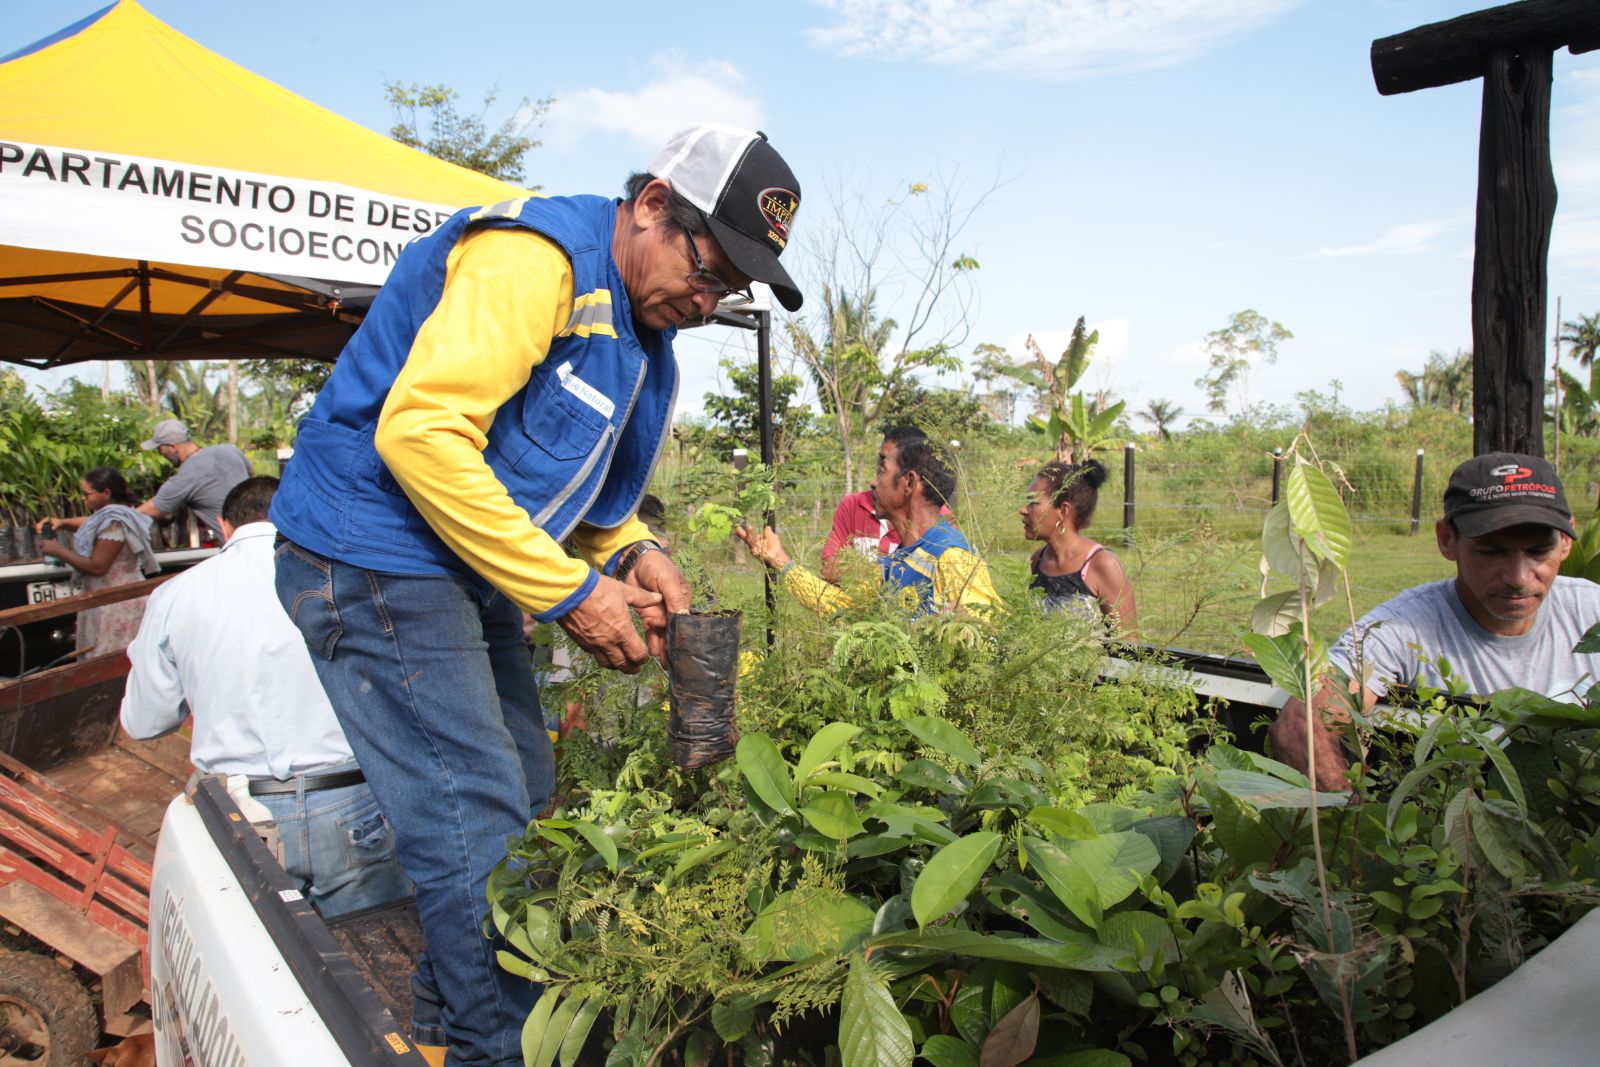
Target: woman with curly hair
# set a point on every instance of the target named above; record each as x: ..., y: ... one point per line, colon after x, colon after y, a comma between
x: 1075, y: 573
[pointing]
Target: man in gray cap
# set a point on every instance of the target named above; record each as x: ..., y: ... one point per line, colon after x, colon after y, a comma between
x: 1507, y: 619
x: 204, y: 476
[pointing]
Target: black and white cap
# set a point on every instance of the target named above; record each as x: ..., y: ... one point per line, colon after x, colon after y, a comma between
x: 747, y: 191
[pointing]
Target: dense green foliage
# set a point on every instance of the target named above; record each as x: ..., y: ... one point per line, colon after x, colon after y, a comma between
x: 953, y: 839
x: 46, y: 447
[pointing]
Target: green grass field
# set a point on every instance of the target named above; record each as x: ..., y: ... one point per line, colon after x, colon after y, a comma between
x: 1194, y: 592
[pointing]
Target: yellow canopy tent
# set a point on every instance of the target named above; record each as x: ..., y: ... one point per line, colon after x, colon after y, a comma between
x: 158, y: 201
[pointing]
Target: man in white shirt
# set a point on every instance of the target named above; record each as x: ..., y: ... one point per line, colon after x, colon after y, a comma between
x: 215, y: 642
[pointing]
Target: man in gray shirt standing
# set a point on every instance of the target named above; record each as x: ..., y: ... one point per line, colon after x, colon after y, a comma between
x: 1506, y: 619
x: 204, y: 476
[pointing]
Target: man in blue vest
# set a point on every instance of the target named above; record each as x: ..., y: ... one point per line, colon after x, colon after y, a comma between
x: 510, y: 390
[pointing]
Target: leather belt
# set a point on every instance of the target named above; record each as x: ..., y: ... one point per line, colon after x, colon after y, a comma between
x: 267, y: 787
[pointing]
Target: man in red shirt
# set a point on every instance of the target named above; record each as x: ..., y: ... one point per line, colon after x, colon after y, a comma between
x: 856, y: 522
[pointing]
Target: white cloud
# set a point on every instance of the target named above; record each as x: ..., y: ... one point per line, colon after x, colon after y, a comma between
x: 1050, y: 39
x: 680, y: 93
x: 1407, y: 238
x: 1575, y: 240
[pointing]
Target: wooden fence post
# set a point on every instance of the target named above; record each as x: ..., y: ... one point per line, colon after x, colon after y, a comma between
x: 1277, y: 474
x: 1127, y: 486
x: 1416, y: 496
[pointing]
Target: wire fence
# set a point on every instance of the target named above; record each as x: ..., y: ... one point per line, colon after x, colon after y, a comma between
x: 1187, y: 525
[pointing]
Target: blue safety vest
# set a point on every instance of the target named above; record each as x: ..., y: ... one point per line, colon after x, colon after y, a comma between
x: 577, y: 444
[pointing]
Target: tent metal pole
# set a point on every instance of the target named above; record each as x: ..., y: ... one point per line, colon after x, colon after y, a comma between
x: 764, y: 402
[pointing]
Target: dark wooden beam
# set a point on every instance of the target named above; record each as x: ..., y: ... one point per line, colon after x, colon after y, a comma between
x: 1443, y: 53
x: 69, y: 605
x: 1516, y: 209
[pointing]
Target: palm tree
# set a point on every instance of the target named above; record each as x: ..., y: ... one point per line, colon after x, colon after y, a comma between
x: 1161, y: 414
x: 1583, y: 334
x: 1445, y: 382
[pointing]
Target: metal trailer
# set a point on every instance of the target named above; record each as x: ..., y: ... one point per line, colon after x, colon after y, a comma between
x: 80, y: 806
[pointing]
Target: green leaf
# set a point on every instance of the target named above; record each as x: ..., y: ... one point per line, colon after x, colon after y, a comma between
x: 1405, y: 823
x: 807, y: 923
x: 515, y: 964
x: 1496, y: 839
x: 834, y: 815
x: 537, y: 1025
x: 1525, y: 707
x: 936, y: 733
x: 1071, y: 886
x: 1508, y: 773
x: 823, y: 746
x: 952, y: 873
x: 1090, y: 876
x: 596, y: 836
x: 942, y: 1050
x: 1262, y: 791
x: 578, y: 1030
x: 763, y: 767
x: 852, y: 783
x: 1067, y: 824
x: 1028, y: 951
x: 732, y: 1018
x: 699, y: 856
x: 1283, y: 658
x: 1282, y: 552
x: 927, y: 775
x: 1589, y: 643
x: 872, y: 1032
x: 1408, y: 785
x: 556, y: 1031
x: 1071, y: 991
x: 1317, y: 514
x: 1014, y: 1037
x: 1172, y: 835
x: 1276, y: 614
x: 1140, y: 934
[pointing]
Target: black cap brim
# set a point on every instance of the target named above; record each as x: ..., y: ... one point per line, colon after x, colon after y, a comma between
x: 1490, y: 520
x: 757, y: 260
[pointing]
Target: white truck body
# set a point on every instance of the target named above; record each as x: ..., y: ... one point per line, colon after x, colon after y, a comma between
x: 242, y: 970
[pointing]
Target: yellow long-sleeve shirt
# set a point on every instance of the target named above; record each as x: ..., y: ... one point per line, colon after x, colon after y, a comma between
x: 937, y: 572
x: 507, y: 295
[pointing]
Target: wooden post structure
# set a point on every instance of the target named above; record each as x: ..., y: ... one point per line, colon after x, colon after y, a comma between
x: 1127, y: 489
x: 1277, y: 474
x: 1416, y: 496
x: 1510, y: 47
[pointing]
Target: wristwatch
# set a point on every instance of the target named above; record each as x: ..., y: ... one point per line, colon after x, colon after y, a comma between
x: 631, y: 557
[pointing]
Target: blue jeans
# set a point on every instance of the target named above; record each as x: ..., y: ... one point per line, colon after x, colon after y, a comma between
x: 434, y: 689
x: 338, y: 847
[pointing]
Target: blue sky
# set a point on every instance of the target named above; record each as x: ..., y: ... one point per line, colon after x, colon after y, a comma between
x: 1165, y: 163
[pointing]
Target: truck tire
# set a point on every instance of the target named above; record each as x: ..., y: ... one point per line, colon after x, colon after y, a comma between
x: 46, y: 1019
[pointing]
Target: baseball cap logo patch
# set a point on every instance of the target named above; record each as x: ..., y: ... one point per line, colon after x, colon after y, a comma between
x: 1511, y: 472
x: 778, y: 208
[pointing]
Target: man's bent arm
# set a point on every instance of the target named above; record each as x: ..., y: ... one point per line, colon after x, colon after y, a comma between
x: 961, y: 579
x: 153, y: 702
x: 1288, y: 733
x: 149, y: 508
x: 506, y: 295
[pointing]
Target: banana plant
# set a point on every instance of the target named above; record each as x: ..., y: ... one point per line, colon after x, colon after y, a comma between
x: 1077, y: 426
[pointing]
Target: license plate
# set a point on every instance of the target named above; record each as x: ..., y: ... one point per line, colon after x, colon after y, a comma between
x: 43, y: 592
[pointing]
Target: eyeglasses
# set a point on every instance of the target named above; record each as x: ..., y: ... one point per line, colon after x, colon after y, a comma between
x: 703, y: 281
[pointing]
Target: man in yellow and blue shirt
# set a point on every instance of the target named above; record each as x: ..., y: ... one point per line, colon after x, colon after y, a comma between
x: 510, y: 389
x: 934, y: 567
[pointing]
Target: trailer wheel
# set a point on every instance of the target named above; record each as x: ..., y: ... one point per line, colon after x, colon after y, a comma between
x: 46, y: 1019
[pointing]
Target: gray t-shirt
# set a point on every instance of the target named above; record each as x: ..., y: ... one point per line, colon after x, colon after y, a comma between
x: 1429, y: 621
x: 202, y: 481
